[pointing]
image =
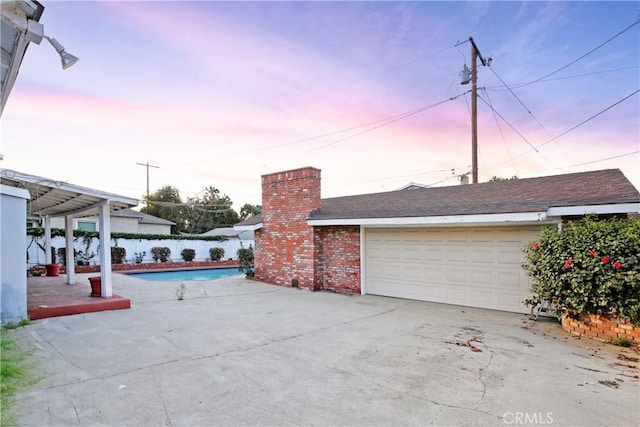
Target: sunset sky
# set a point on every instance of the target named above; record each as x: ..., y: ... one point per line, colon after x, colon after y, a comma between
x: 220, y: 93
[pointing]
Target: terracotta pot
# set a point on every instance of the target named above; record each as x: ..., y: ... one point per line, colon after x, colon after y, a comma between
x: 96, y: 286
x: 53, y: 269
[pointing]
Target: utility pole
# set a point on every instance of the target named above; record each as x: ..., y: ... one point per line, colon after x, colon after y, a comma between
x: 147, y: 165
x: 475, y: 54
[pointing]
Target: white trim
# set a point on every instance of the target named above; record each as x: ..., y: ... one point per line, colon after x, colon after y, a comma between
x: 594, y: 209
x: 248, y: 227
x: 363, y: 257
x: 47, y: 240
x: 7, y: 190
x: 104, y: 227
x: 481, y: 219
x: 69, y: 250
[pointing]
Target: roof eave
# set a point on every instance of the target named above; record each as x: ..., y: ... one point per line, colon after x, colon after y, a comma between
x: 444, y: 220
x: 613, y: 208
x: 251, y: 227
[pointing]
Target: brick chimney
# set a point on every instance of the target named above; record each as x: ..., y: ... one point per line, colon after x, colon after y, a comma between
x: 285, y: 244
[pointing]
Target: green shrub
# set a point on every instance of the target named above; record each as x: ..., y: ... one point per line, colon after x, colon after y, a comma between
x: 118, y: 254
x: 590, y: 267
x: 245, y: 260
x: 216, y: 254
x: 188, y: 254
x: 160, y: 253
x: 621, y: 341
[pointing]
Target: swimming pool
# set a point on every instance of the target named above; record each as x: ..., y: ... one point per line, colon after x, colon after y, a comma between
x: 179, y: 275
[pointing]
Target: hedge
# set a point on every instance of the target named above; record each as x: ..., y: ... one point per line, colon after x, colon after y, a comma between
x: 591, y: 267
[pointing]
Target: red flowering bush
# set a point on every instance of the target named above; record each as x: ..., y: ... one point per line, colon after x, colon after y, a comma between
x: 592, y: 266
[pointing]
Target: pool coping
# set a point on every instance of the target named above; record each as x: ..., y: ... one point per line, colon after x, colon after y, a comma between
x: 167, y: 270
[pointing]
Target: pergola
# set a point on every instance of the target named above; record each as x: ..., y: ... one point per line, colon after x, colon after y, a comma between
x: 50, y: 198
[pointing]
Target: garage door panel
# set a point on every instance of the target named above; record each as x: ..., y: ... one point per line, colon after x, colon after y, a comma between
x: 482, y: 277
x: 455, y: 275
x: 455, y: 295
x: 482, y: 298
x: 478, y: 267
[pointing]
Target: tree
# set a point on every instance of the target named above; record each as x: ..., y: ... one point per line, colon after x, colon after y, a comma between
x: 166, y: 203
x: 248, y: 210
x: 209, y: 210
x: 500, y: 179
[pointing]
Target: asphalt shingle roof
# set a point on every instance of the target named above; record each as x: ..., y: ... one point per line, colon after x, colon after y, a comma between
x: 514, y: 196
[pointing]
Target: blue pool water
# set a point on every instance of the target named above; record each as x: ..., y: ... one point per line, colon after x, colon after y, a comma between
x: 208, y: 274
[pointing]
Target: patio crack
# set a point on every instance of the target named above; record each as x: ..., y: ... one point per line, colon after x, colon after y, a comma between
x: 482, y: 371
x: 211, y: 356
x: 161, y: 396
x: 40, y: 338
x: 291, y: 337
x: 388, y: 388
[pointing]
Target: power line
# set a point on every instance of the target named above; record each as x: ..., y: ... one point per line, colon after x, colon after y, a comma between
x: 522, y: 84
x: 387, y: 122
x: 324, y: 135
x: 516, y: 96
x: 573, y: 128
x: 504, y: 140
x: 586, y: 54
x: 599, y: 160
x: 590, y: 118
x: 510, y: 125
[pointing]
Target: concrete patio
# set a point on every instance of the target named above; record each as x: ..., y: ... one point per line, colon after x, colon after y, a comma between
x: 238, y: 352
x: 51, y: 296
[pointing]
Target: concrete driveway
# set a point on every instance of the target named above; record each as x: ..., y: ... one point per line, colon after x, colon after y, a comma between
x: 238, y: 352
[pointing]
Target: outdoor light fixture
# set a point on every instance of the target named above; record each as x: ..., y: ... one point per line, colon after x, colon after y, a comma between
x: 34, y: 32
x: 67, y: 59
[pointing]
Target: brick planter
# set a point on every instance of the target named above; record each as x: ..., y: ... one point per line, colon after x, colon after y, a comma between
x: 601, y: 327
x: 172, y: 265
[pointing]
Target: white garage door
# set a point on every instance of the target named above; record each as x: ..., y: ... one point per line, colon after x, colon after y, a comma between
x: 476, y: 267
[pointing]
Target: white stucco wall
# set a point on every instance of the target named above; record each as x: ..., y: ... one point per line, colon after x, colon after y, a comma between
x: 231, y: 246
x: 13, y: 259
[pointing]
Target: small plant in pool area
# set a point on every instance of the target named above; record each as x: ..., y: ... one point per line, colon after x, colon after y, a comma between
x: 139, y: 256
x: 216, y: 254
x: 245, y: 261
x: 188, y: 254
x: 181, y: 291
x: 160, y: 253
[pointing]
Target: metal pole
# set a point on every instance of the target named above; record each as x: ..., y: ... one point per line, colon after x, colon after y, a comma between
x: 474, y: 115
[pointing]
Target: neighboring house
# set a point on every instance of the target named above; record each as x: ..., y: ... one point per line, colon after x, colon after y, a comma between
x: 123, y: 221
x: 246, y: 236
x: 457, y: 245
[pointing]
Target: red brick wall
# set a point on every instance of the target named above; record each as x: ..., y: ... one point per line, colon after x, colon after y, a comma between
x: 601, y: 328
x: 338, y: 258
x: 146, y: 266
x: 285, y: 245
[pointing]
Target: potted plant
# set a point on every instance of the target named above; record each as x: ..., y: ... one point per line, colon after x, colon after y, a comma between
x: 96, y: 286
x: 53, y: 269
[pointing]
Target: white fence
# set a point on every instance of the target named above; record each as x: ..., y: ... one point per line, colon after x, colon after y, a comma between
x: 89, y: 248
